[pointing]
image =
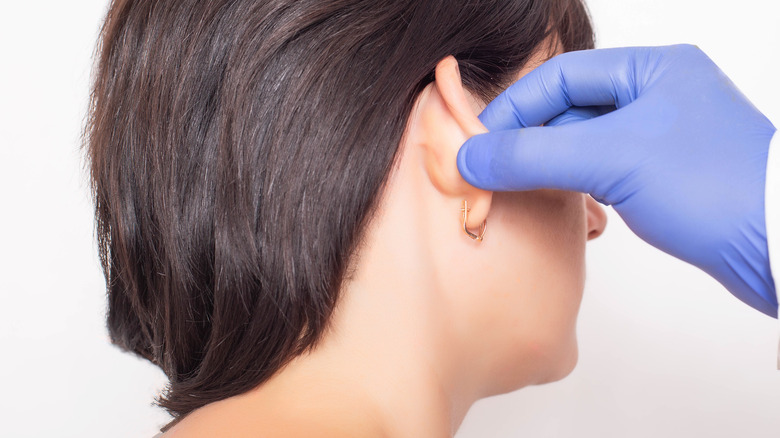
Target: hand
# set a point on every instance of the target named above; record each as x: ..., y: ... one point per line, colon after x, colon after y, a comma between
x: 682, y: 159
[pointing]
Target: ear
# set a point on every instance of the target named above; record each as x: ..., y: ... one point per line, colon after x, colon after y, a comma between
x: 446, y: 116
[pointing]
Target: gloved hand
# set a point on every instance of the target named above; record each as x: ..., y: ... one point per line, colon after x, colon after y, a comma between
x: 682, y: 159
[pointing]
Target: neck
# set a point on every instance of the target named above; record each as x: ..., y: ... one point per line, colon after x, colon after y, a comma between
x: 389, y: 346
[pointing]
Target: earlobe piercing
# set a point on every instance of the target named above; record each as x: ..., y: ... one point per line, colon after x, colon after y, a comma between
x: 465, y: 209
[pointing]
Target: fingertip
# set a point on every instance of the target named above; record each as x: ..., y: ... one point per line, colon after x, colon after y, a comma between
x: 475, y: 161
x: 463, y: 164
x: 489, y: 116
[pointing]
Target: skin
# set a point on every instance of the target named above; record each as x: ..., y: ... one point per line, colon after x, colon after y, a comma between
x: 431, y: 320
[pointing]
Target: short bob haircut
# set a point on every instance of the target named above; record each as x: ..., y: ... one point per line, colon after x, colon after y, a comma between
x: 237, y: 150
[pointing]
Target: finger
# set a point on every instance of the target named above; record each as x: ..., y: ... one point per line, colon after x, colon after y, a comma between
x: 603, y: 77
x: 578, y: 114
x: 567, y: 157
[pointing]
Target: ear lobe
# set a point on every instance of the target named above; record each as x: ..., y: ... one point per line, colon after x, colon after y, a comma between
x: 447, y: 118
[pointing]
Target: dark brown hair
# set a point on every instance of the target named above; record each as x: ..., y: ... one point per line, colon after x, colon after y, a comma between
x: 237, y: 149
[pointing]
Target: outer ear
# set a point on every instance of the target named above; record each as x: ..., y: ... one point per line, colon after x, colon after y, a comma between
x: 447, y: 117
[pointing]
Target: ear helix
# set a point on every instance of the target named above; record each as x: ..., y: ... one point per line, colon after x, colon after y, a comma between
x: 465, y: 209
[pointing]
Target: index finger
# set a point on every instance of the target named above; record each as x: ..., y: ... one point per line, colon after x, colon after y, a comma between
x: 601, y: 77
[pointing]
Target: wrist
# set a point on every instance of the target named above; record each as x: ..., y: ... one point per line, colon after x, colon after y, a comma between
x: 772, y: 206
x: 750, y: 254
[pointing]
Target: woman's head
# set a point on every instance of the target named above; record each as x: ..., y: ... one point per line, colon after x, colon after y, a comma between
x: 239, y: 149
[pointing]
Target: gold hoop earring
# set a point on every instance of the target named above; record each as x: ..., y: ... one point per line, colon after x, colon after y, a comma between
x: 465, y: 209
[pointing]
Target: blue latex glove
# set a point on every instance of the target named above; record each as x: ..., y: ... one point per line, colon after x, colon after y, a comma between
x: 682, y: 159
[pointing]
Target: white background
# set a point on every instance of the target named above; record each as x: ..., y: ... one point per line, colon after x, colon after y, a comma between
x: 664, y: 350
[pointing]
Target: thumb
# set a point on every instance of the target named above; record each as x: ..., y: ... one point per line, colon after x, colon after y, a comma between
x: 575, y: 156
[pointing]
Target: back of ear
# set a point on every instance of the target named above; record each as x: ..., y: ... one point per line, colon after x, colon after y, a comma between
x: 447, y: 118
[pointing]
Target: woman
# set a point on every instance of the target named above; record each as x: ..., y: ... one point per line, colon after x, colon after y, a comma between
x: 282, y: 225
